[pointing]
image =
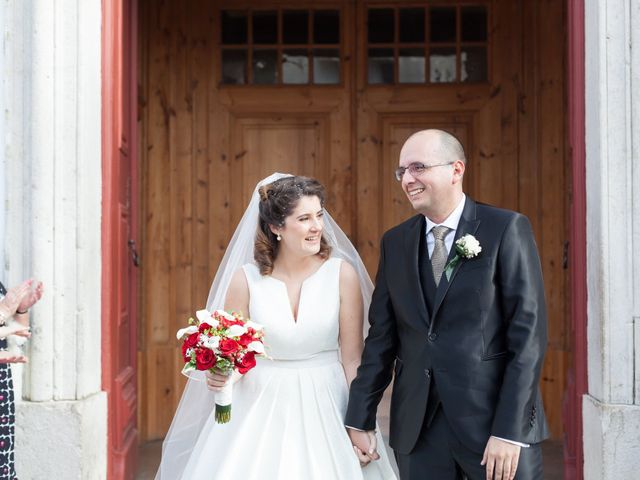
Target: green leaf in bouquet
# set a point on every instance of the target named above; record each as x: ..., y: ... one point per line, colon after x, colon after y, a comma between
x: 188, y: 367
x: 224, y: 365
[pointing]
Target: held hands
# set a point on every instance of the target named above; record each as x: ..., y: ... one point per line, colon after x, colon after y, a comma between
x: 502, y: 458
x: 364, y: 445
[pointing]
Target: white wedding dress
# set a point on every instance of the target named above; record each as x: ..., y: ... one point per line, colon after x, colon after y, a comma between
x: 287, y: 413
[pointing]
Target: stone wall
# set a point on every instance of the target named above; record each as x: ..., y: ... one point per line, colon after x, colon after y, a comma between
x: 612, y: 406
x: 51, y: 108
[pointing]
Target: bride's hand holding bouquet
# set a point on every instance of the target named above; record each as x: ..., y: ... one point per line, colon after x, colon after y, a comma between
x: 223, y: 345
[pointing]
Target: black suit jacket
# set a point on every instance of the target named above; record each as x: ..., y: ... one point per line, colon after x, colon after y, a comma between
x: 481, y: 340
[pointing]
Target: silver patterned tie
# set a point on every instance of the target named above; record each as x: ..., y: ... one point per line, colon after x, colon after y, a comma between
x: 440, y: 254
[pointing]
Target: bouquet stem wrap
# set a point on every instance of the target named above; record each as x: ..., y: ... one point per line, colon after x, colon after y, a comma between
x: 223, y: 404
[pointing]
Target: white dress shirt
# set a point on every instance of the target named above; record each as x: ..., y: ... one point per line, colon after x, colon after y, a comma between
x: 450, y: 222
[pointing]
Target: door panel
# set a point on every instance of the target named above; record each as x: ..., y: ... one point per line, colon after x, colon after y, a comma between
x: 512, y: 128
x: 286, y: 143
x: 206, y: 143
x: 205, y: 146
x: 396, y: 128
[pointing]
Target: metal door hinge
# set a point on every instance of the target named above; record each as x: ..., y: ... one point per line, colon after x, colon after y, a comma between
x: 134, y: 252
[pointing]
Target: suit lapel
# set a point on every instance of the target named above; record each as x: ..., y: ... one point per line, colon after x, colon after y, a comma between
x: 412, y: 245
x: 468, y: 225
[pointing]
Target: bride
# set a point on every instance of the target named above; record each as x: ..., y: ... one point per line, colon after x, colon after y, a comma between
x: 298, y: 275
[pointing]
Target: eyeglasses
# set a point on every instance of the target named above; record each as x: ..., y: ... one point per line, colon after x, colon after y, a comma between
x: 416, y: 169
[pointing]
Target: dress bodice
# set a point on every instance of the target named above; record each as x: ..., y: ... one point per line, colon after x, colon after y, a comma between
x: 317, y: 327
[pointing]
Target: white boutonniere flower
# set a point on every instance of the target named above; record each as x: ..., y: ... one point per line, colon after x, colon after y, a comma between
x: 467, y: 247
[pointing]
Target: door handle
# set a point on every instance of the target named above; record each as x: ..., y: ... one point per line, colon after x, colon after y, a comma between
x: 134, y: 252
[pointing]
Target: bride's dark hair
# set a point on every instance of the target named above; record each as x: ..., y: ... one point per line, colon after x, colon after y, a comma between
x: 277, y: 202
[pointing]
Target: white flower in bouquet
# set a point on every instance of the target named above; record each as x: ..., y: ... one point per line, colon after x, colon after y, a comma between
x: 186, y: 331
x: 236, y: 330
x: 212, y: 342
x: 257, y: 347
x: 204, y: 316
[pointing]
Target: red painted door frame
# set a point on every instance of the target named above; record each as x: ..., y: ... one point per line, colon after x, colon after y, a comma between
x: 119, y: 233
x: 577, y: 385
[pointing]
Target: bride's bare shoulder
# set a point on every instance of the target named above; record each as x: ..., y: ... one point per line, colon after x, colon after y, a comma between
x: 238, y: 292
x: 348, y: 275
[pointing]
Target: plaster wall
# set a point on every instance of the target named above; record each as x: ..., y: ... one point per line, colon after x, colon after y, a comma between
x: 51, y: 109
x: 611, y: 412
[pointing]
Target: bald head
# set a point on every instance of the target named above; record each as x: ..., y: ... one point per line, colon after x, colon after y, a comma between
x: 435, y: 189
x: 443, y: 143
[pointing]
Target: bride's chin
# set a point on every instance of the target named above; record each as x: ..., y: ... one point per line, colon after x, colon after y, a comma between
x: 313, y: 249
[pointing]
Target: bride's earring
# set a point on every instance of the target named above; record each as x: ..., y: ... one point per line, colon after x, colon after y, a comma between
x: 279, y: 237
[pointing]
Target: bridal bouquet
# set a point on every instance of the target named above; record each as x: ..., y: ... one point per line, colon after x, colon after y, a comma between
x: 221, y: 342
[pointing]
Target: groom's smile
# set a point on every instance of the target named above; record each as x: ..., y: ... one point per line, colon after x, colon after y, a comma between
x: 415, y: 192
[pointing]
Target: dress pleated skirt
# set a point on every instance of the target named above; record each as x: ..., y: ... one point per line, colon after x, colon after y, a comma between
x: 286, y: 423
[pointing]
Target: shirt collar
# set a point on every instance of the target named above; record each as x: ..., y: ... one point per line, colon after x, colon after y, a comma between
x: 452, y: 220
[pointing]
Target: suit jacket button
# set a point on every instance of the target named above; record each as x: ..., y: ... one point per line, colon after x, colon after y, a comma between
x: 427, y: 372
x: 432, y: 337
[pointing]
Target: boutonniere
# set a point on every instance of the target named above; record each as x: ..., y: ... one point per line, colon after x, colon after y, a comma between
x: 467, y: 247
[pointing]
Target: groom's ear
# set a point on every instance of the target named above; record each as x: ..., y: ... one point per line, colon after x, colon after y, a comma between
x: 458, y: 171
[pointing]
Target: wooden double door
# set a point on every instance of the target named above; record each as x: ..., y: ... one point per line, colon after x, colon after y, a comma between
x: 231, y: 92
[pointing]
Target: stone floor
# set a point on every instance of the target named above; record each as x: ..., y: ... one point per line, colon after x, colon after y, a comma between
x: 149, y: 457
x: 149, y: 453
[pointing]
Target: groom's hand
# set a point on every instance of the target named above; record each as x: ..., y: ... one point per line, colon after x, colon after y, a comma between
x: 501, y: 459
x: 365, y: 445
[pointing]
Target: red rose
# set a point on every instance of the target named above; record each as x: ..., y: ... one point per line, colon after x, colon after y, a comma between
x: 245, y: 339
x: 204, y: 326
x: 192, y: 340
x: 205, y: 359
x: 246, y: 363
x: 228, y: 346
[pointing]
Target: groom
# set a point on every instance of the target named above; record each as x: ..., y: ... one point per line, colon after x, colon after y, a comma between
x: 464, y: 339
